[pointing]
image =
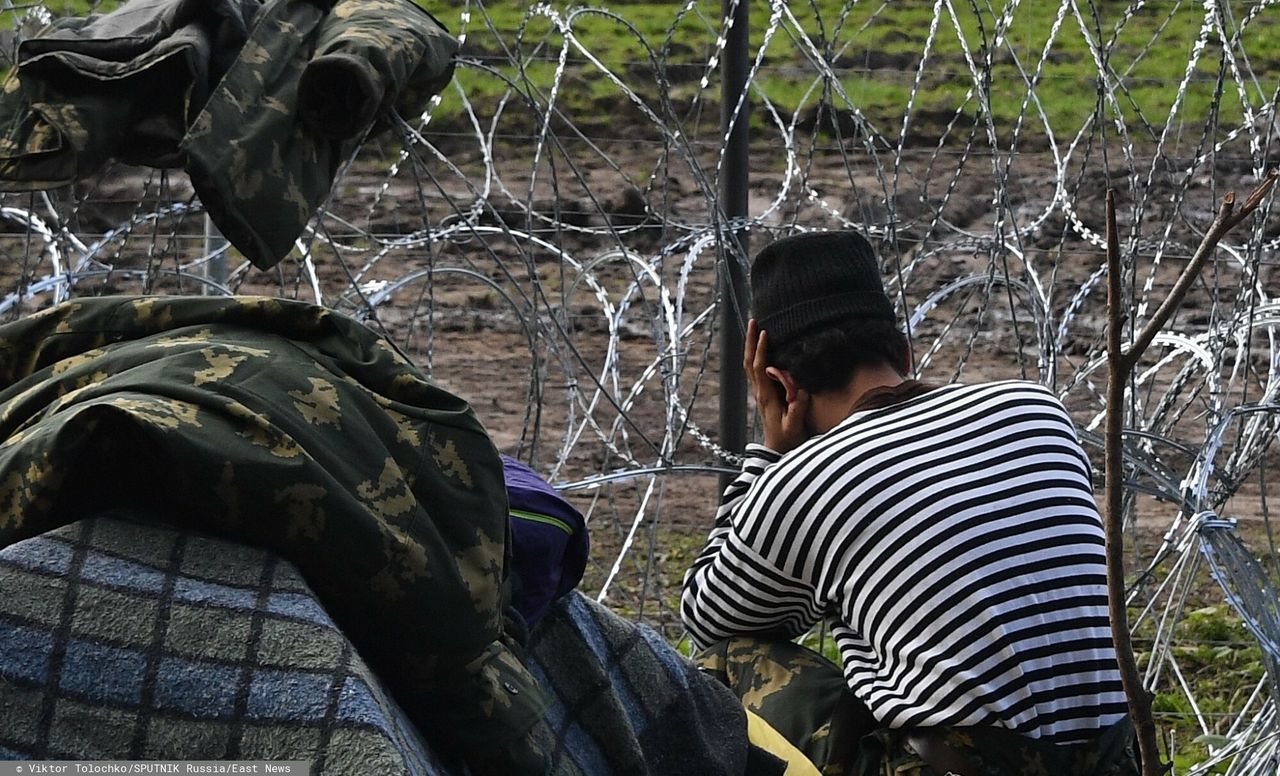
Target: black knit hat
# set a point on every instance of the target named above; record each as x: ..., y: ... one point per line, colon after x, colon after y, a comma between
x: 807, y: 281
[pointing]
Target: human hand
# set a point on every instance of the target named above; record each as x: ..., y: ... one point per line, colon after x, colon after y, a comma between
x: 783, y: 405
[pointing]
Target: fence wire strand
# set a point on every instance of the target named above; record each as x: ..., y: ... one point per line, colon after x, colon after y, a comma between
x: 546, y: 238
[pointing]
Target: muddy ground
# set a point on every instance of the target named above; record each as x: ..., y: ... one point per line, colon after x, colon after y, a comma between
x: 571, y: 301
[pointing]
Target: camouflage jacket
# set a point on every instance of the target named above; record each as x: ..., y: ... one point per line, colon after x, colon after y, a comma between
x: 260, y: 101
x: 286, y: 426
x: 1000, y: 752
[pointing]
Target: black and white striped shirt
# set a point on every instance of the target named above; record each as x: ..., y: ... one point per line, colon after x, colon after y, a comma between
x: 953, y: 544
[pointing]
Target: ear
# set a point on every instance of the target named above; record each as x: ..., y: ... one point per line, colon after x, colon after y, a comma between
x: 784, y: 378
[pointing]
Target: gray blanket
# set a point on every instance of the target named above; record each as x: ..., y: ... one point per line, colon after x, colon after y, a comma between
x: 122, y: 639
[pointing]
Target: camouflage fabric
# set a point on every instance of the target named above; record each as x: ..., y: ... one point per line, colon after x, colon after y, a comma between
x: 251, y: 159
x: 260, y: 102
x: 798, y: 692
x: 296, y: 429
x: 72, y: 103
x: 805, y: 698
x: 362, y: 67
x: 997, y: 752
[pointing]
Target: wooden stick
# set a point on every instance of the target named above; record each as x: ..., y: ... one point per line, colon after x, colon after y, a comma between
x: 1113, y: 524
x: 1121, y: 363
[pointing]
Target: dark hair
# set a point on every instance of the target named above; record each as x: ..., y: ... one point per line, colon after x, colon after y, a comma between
x: 825, y: 359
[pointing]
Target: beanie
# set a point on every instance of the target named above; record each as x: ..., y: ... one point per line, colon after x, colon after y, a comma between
x: 804, y: 282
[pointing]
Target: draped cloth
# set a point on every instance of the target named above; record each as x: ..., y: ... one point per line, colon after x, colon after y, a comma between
x: 134, y: 640
x: 259, y: 101
x: 295, y: 429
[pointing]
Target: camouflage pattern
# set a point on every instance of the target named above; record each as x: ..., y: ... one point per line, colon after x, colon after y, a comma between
x: 290, y: 427
x: 996, y: 752
x: 72, y: 104
x: 362, y: 67
x: 804, y: 697
x: 217, y: 86
x: 251, y: 158
x: 798, y: 692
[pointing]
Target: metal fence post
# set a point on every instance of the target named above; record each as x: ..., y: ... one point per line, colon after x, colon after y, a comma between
x: 215, y: 251
x: 734, y: 175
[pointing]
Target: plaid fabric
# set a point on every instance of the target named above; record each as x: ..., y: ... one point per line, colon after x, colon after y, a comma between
x: 625, y: 702
x: 120, y: 643
x: 122, y: 639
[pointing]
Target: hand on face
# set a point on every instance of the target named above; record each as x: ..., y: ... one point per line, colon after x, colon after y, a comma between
x: 784, y: 406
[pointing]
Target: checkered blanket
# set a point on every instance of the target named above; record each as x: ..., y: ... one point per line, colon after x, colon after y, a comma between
x: 128, y: 640
x: 125, y: 642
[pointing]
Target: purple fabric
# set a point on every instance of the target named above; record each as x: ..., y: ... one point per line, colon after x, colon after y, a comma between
x: 547, y: 559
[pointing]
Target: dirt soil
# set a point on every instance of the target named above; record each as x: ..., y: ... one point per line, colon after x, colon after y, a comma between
x: 574, y: 312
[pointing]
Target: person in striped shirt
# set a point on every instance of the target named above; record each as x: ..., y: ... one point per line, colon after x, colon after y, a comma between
x: 947, y: 535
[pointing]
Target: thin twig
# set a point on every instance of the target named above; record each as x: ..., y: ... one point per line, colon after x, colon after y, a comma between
x: 1226, y: 220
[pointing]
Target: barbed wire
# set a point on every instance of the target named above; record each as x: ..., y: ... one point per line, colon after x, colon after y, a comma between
x: 546, y: 239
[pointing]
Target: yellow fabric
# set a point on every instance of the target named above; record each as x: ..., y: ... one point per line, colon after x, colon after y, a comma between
x: 763, y: 735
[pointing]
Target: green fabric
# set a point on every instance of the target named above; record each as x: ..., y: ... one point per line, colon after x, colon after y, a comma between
x: 217, y: 86
x: 805, y: 698
x: 362, y: 66
x: 253, y: 163
x: 296, y: 429
x: 997, y: 752
x: 75, y: 100
x: 798, y: 692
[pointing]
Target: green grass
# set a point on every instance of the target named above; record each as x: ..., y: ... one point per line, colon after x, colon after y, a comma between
x: 875, y: 48
x: 1221, y: 663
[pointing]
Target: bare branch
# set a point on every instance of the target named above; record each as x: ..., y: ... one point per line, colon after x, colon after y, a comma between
x: 1121, y: 365
x: 1113, y: 523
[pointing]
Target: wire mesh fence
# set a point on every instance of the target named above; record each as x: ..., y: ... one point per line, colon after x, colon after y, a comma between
x: 547, y: 239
